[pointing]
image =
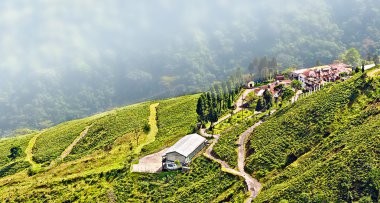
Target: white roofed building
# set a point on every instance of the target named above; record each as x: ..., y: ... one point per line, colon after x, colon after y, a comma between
x: 185, y: 149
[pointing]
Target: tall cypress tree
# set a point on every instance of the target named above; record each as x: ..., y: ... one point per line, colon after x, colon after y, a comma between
x: 225, y: 95
x: 202, y: 109
x: 268, y: 98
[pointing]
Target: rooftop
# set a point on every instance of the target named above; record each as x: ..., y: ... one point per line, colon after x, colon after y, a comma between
x: 186, y: 145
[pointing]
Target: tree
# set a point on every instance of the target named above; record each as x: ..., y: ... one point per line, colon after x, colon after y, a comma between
x: 351, y: 57
x: 262, y: 65
x: 273, y: 63
x: 363, y: 68
x: 357, y: 69
x: 368, y: 56
x: 260, y: 104
x: 202, y: 108
x: 318, y: 63
x: 136, y: 136
x: 279, y: 87
x: 376, y: 59
x: 15, y: 152
x: 268, y: 99
x: 256, y: 63
x: 146, y: 128
x: 251, y: 98
x: 287, y: 94
x: 213, y: 117
x: 296, y: 84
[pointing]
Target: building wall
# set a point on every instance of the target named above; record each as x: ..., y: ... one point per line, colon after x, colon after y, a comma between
x: 199, y: 148
x: 175, y: 156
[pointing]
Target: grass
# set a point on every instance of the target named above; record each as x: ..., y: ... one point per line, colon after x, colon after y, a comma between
x: 35, y: 167
x: 6, y: 145
x: 203, y: 183
x: 105, y: 130
x: 234, y: 119
x: 99, y: 174
x: 7, y: 165
x: 226, y: 148
x: 175, y: 118
x: 46, y: 148
x: 151, y: 137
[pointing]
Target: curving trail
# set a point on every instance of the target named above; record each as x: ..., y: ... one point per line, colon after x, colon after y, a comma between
x: 254, y: 186
x: 29, y: 151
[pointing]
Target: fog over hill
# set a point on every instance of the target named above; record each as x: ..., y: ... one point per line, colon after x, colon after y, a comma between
x: 67, y: 59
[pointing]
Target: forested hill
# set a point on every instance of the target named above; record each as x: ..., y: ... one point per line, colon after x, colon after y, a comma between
x: 59, y: 65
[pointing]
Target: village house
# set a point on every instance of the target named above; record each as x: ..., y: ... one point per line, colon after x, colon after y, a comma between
x: 184, y: 150
x: 259, y: 91
x: 312, y: 78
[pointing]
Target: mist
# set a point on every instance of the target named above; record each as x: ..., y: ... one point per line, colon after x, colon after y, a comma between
x: 62, y: 60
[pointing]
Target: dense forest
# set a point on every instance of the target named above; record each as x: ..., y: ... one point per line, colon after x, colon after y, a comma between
x: 72, y: 59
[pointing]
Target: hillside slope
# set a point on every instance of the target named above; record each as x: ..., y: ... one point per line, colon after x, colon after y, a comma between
x: 97, y: 169
x: 323, y: 148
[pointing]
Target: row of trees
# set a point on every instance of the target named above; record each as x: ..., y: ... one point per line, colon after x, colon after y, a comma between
x: 353, y: 57
x: 263, y: 67
x: 218, y: 99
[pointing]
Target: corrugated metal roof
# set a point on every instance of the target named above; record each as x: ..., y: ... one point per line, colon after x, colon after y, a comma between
x: 186, y: 145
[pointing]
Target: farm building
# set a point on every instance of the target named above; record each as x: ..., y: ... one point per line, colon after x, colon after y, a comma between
x: 185, y: 149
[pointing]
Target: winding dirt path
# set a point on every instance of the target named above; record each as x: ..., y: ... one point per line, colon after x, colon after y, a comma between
x: 225, y: 166
x: 254, y: 186
x: 29, y: 151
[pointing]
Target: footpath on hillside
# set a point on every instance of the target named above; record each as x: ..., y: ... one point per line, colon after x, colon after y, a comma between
x: 68, y: 150
x: 153, y: 162
x: 254, y: 186
x: 29, y: 152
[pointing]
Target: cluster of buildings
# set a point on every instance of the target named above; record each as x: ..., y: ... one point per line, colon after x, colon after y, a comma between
x: 313, y: 78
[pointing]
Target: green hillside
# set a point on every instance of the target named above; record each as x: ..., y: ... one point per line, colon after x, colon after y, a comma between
x: 10, y: 166
x: 97, y: 169
x: 323, y: 148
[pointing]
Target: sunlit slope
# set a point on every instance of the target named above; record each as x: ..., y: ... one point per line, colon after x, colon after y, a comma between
x: 323, y: 148
x: 10, y: 166
x: 99, y: 165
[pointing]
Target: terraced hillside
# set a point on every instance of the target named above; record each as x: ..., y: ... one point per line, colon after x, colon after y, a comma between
x: 98, y: 165
x: 323, y: 148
